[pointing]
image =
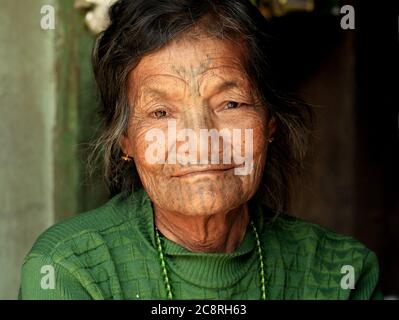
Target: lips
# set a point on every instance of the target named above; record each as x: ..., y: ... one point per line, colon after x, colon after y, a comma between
x: 202, y: 170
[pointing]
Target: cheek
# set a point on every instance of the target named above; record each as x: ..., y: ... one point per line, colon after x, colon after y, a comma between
x: 256, y: 122
x: 259, y: 139
x: 142, y: 140
x: 259, y: 148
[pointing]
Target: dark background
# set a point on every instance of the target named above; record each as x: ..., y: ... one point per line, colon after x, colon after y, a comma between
x: 351, y: 78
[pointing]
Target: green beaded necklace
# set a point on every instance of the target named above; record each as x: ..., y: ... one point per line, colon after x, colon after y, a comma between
x: 165, y: 271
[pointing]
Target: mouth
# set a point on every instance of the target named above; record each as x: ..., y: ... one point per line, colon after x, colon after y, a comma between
x: 202, y: 171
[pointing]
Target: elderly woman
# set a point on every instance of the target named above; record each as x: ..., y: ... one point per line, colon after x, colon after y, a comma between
x: 200, y: 147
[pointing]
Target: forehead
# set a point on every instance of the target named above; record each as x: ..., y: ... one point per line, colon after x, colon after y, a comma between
x: 192, y: 62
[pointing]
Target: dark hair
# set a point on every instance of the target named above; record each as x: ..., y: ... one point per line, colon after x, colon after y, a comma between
x: 139, y: 27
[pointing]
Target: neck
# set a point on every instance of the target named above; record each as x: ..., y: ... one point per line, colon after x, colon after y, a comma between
x: 222, y: 232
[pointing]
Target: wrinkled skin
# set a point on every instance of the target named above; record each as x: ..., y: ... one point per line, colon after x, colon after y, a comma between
x: 201, y: 84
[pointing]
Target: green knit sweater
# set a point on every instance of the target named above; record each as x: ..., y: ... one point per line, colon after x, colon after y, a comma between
x: 110, y: 253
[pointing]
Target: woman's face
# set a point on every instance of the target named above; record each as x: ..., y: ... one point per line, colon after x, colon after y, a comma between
x: 177, y: 95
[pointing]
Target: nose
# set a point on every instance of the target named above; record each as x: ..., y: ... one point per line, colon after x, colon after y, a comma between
x: 198, y: 117
x: 200, y: 121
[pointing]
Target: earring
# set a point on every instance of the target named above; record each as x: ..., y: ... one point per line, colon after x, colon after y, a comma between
x: 271, y: 140
x: 126, y: 158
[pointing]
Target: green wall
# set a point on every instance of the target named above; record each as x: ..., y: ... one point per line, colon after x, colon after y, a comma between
x: 47, y: 102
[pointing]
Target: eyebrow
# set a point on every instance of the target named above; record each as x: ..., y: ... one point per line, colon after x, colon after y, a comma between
x: 159, y: 93
x: 226, y: 85
x: 155, y: 91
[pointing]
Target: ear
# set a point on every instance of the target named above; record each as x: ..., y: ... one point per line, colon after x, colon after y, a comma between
x: 126, y: 146
x: 272, y: 126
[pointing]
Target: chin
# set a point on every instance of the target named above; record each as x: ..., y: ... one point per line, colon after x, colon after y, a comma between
x: 208, y: 199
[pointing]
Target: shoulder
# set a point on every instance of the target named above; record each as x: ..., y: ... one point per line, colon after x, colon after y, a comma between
x: 325, y: 256
x: 305, y: 238
x: 302, y: 233
x: 77, y: 251
x: 86, y: 231
x: 72, y: 229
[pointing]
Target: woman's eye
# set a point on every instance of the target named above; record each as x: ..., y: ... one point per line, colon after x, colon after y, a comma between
x: 160, y: 114
x: 232, y: 105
